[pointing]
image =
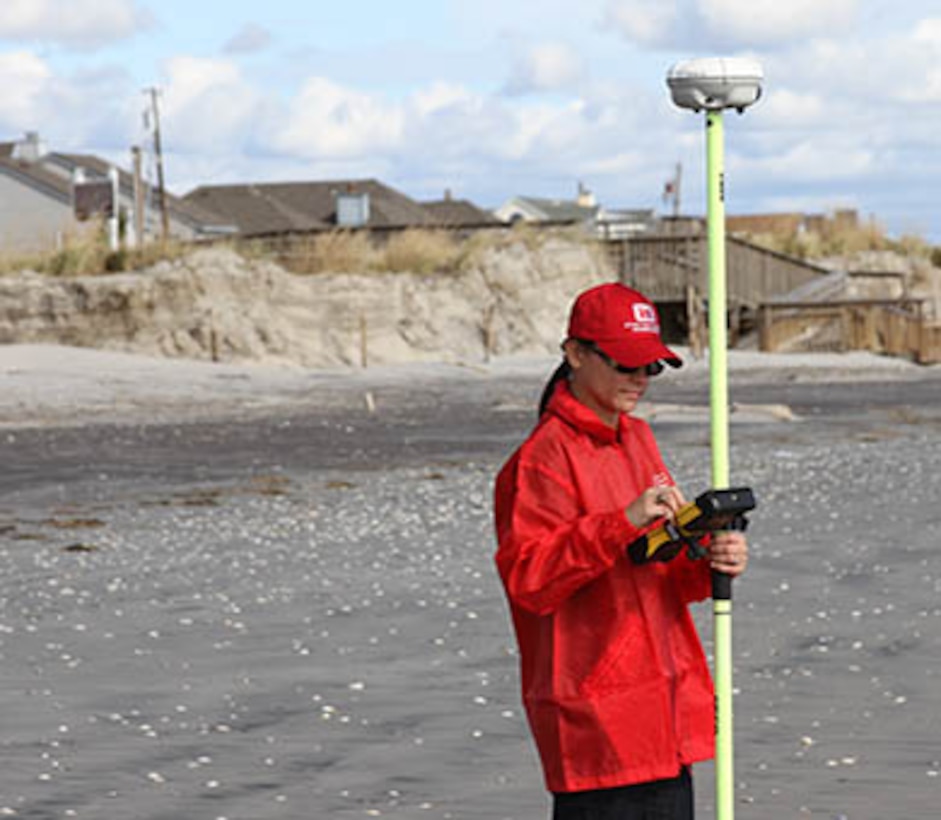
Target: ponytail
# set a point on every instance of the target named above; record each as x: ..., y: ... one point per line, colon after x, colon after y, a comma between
x: 561, y: 373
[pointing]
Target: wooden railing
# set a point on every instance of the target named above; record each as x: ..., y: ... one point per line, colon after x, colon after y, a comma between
x: 666, y: 267
x: 894, y: 327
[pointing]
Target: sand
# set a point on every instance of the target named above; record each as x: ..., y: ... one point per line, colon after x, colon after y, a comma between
x: 243, y: 592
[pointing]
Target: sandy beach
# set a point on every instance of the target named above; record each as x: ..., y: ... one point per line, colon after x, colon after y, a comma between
x: 243, y: 592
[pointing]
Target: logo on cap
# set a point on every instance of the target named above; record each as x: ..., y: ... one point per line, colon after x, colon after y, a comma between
x: 645, y: 319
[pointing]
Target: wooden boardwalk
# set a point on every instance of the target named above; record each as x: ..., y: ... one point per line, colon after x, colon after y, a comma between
x: 668, y: 268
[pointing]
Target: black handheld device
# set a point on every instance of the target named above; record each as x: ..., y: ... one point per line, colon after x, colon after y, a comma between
x: 712, y: 511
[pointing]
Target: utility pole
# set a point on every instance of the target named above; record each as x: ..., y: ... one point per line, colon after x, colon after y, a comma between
x: 158, y: 152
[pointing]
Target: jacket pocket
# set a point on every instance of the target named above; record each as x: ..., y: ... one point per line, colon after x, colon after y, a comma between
x: 626, y: 662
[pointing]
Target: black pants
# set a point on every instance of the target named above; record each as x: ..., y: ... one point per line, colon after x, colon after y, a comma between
x: 658, y: 800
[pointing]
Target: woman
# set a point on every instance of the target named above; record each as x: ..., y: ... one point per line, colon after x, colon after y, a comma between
x: 616, y: 687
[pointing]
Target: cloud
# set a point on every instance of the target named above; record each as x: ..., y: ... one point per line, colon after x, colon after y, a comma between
x: 928, y: 31
x: 546, y: 67
x: 753, y: 23
x: 209, y: 106
x: 831, y: 159
x: 250, y: 39
x: 90, y: 107
x: 81, y: 24
x: 24, y: 77
x: 791, y: 109
x: 708, y: 25
x: 645, y: 22
x: 438, y: 131
x: 328, y: 119
x: 907, y: 73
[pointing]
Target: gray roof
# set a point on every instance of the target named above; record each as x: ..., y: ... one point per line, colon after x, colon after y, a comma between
x: 560, y: 210
x: 42, y: 176
x: 459, y: 213
x: 34, y: 175
x: 178, y: 207
x: 260, y: 209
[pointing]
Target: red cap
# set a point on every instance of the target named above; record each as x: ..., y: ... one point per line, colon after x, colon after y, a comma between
x: 622, y: 323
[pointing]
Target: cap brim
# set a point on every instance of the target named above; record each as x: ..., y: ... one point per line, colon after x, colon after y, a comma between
x: 639, y: 352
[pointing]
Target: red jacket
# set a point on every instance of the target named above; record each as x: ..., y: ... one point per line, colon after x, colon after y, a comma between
x: 615, y: 684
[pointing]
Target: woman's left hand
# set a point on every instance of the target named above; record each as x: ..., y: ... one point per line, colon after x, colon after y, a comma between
x: 728, y: 553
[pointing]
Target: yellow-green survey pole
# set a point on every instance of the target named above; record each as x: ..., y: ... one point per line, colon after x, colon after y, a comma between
x: 712, y: 84
x: 719, y: 407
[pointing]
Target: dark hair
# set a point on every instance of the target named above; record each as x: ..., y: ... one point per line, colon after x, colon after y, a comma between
x: 561, y: 373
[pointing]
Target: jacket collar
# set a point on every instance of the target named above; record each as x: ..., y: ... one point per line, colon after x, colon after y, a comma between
x: 564, y: 405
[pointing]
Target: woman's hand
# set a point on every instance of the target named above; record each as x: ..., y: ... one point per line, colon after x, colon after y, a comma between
x: 654, y: 503
x: 728, y: 553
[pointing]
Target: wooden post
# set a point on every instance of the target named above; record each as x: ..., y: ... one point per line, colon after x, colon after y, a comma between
x: 694, y: 321
x: 764, y: 328
x: 921, y: 352
x: 213, y: 337
x: 363, y: 341
x: 138, y: 198
x: 488, y: 333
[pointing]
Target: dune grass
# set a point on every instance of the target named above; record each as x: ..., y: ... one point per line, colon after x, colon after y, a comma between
x: 429, y: 251
x: 88, y: 254
x: 415, y: 250
x: 834, y: 237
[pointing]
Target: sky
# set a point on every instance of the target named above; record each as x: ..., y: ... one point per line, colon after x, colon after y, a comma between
x: 494, y: 98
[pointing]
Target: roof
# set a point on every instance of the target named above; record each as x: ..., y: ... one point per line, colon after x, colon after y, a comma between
x: 557, y: 210
x: 177, y: 207
x: 288, y: 207
x: 462, y: 213
x: 52, y: 175
x: 35, y: 176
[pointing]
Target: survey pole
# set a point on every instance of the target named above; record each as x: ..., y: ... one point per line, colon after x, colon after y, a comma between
x: 718, y: 299
x: 712, y: 85
x: 719, y: 421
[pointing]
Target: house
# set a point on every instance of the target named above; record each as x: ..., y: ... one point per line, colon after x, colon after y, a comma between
x: 584, y: 210
x: 272, y: 209
x: 40, y: 202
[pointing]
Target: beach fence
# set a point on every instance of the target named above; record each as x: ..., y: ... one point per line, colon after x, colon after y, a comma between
x: 894, y: 327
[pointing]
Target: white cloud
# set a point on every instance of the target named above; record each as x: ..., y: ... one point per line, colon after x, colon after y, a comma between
x: 928, y: 31
x: 70, y: 112
x: 440, y: 98
x: 546, y: 67
x: 209, y: 106
x: 840, y: 71
x: 447, y: 128
x: 76, y: 23
x: 790, y: 109
x: 328, y: 119
x: 752, y: 23
x: 812, y: 160
x: 250, y: 39
x: 708, y: 25
x: 24, y: 78
x: 646, y: 22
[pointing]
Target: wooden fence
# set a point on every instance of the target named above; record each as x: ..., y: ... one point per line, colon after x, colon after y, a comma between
x: 893, y: 327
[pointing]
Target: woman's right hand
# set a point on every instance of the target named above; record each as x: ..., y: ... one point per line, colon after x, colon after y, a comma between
x: 654, y: 503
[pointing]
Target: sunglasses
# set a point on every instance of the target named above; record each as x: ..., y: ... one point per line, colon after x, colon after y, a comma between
x: 652, y: 369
